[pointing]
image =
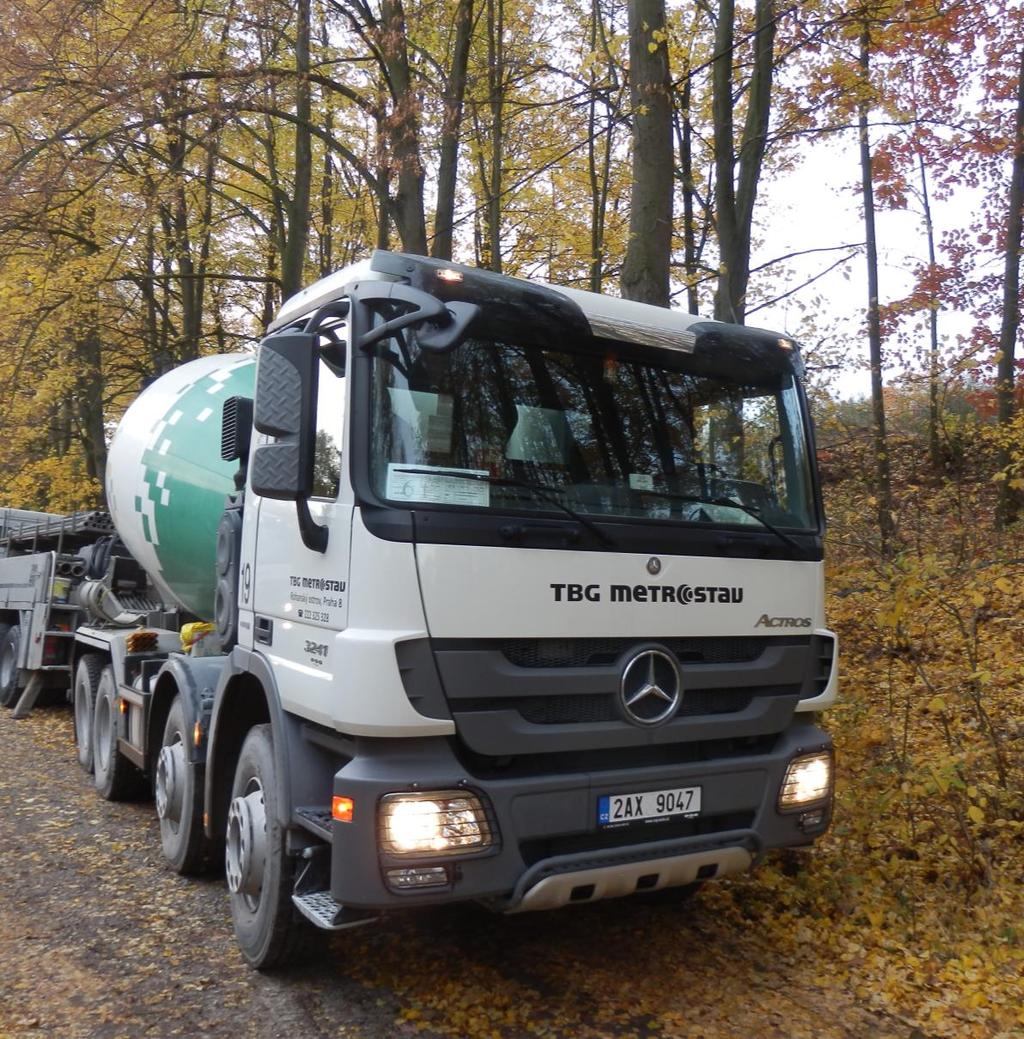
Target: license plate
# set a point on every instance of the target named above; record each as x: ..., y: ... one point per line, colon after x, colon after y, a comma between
x: 619, y: 809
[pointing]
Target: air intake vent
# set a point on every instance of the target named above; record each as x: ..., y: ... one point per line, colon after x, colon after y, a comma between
x: 823, y: 659
x: 533, y: 653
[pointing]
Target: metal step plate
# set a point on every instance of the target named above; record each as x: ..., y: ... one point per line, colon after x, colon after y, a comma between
x: 320, y: 909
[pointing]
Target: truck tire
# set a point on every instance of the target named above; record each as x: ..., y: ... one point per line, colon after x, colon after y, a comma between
x: 10, y: 674
x: 87, y: 680
x: 116, y: 778
x: 259, y: 872
x: 179, y: 805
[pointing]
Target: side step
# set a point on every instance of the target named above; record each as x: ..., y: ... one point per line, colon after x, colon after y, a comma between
x: 317, y: 821
x: 319, y: 908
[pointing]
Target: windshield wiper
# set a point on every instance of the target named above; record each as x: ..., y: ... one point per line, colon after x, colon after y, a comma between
x: 730, y: 503
x: 523, y: 485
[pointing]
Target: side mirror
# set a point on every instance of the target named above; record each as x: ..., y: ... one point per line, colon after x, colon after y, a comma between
x: 440, y: 337
x: 440, y: 326
x: 286, y: 377
x: 286, y: 389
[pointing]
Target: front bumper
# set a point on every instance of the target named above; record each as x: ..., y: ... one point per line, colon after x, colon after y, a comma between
x: 548, y: 848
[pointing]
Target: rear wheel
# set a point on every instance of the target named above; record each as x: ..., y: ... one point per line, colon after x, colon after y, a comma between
x: 259, y: 872
x: 87, y: 680
x: 117, y: 779
x: 10, y: 674
x: 178, y: 803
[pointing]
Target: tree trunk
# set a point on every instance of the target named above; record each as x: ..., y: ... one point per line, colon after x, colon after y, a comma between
x: 293, y: 255
x: 645, y: 271
x: 934, y: 440
x: 685, y: 135
x: 270, y: 298
x: 327, y: 178
x: 599, y: 146
x: 883, y: 480
x: 1009, y: 504
x: 448, y: 160
x: 87, y: 397
x: 734, y: 199
x: 404, y: 131
x: 496, y: 161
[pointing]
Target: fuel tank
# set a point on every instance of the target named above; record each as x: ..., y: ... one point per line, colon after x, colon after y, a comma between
x: 166, y: 481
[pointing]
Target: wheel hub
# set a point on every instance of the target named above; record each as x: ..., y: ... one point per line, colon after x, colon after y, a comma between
x: 170, y: 781
x: 245, y: 851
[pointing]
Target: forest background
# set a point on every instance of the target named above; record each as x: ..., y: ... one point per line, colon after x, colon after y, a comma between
x: 173, y: 169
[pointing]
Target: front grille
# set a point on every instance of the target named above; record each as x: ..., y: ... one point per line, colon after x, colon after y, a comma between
x: 518, y: 766
x: 601, y: 707
x: 530, y: 696
x: 535, y: 653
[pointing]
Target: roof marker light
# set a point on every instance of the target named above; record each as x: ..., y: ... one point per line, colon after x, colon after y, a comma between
x: 447, y: 274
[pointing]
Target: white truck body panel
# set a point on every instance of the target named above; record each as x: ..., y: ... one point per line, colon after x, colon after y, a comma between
x: 525, y: 593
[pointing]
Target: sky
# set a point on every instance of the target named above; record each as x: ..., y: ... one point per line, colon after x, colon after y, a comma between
x: 817, y: 206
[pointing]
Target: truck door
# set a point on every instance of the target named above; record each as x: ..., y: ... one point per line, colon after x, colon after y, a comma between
x: 298, y: 596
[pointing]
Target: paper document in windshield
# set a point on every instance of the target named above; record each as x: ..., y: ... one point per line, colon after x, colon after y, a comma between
x: 434, y: 483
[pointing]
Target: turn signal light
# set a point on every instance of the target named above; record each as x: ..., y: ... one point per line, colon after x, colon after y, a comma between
x: 342, y: 809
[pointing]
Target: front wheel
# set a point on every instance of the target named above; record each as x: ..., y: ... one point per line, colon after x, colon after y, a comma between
x: 117, y: 779
x: 178, y: 804
x: 10, y: 674
x: 259, y: 872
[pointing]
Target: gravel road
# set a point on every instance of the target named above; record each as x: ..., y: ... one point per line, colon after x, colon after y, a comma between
x: 99, y: 939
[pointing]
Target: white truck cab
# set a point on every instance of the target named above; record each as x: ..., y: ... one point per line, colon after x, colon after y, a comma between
x: 531, y: 580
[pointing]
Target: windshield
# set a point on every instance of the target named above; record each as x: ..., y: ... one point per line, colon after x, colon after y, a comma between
x: 609, y: 433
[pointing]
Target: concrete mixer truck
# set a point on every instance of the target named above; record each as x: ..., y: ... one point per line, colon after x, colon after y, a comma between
x: 514, y: 594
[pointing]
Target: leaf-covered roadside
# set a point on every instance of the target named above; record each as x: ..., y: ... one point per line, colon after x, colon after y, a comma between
x: 916, y: 897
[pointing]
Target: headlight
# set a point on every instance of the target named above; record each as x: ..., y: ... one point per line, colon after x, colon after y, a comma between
x: 808, y: 779
x: 436, y: 823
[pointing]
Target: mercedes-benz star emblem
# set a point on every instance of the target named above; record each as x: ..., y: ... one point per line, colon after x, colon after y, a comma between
x: 651, y: 688
x: 654, y: 566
